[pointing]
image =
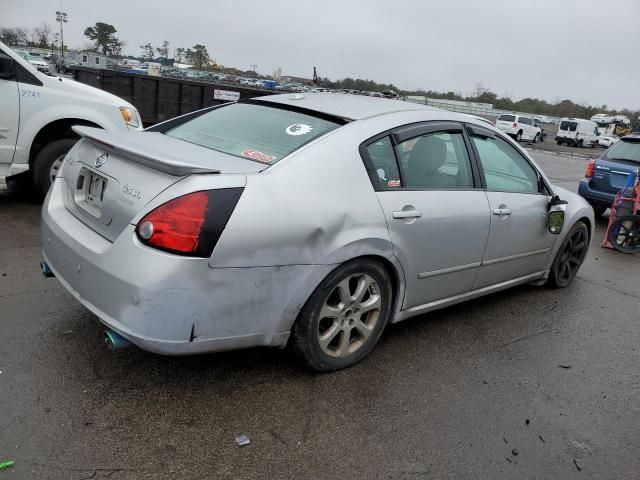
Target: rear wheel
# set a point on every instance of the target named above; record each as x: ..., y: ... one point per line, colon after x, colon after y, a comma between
x: 48, y: 162
x: 570, y: 256
x: 580, y: 143
x: 344, y: 317
x: 519, y: 136
x: 624, y: 234
x: 559, y: 142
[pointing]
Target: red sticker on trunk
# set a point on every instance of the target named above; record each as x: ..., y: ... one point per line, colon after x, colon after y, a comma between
x: 259, y: 156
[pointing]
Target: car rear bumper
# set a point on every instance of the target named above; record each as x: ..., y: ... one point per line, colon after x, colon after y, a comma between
x: 596, y: 197
x: 166, y: 303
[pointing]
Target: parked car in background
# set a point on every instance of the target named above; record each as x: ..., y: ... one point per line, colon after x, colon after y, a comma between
x: 38, y: 112
x: 606, y: 175
x: 606, y: 140
x: 519, y: 127
x: 185, y: 222
x: 577, y: 132
x: 38, y: 62
x: 66, y: 65
x: 390, y: 94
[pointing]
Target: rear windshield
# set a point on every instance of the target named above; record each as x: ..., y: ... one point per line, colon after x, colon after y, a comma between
x: 624, y: 150
x: 507, y: 118
x: 256, y: 132
x: 564, y: 125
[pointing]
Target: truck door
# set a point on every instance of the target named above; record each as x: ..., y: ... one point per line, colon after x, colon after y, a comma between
x: 10, y: 116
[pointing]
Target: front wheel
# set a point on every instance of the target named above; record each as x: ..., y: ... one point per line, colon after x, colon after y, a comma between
x: 48, y: 162
x: 536, y: 138
x: 344, y: 317
x: 570, y: 256
x: 624, y: 234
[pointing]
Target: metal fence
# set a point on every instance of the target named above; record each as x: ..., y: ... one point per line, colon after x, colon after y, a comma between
x: 474, y: 108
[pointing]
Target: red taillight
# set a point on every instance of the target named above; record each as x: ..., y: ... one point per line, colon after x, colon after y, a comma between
x: 191, y: 224
x: 515, y: 124
x: 589, y: 171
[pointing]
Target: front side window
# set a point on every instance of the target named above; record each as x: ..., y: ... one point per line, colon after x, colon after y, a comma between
x: 436, y: 160
x: 384, y: 163
x: 258, y: 132
x: 505, y: 170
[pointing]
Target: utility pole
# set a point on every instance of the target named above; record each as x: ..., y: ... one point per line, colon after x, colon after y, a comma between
x: 253, y: 67
x: 61, y: 17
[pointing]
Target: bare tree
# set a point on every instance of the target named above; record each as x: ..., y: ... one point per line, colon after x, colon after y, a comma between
x: 40, y: 35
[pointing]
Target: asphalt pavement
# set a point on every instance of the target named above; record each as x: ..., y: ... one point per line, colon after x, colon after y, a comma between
x: 527, y: 383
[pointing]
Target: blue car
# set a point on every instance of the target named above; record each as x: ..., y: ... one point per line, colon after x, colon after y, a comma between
x: 606, y: 175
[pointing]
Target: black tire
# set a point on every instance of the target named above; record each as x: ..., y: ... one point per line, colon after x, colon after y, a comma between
x: 536, y: 138
x: 519, y: 136
x: 305, y: 335
x: 624, y: 234
x: 45, y: 159
x: 559, y: 142
x: 571, y: 254
x: 579, y: 144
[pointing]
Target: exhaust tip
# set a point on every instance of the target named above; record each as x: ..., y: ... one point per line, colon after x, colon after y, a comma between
x: 115, y: 341
x: 46, y: 271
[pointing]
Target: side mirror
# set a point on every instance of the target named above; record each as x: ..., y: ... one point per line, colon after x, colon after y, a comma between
x: 555, y: 217
x: 7, y: 67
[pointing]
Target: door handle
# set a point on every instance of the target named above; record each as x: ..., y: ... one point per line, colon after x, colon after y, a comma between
x: 502, y: 211
x: 407, y: 214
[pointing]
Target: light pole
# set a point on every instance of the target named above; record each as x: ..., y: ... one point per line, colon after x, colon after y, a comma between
x: 253, y: 67
x: 61, y: 17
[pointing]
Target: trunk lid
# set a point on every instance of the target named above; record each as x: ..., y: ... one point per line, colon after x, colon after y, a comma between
x: 610, y: 176
x: 109, y: 178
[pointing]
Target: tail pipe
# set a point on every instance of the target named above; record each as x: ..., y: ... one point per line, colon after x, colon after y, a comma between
x: 116, y: 341
x: 46, y: 271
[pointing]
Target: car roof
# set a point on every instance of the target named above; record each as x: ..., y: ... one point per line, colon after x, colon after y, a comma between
x: 349, y: 107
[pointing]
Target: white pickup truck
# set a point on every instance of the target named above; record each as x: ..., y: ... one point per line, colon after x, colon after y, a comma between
x: 38, y: 111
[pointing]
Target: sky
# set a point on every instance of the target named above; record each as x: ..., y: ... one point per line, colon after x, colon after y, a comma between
x: 582, y: 50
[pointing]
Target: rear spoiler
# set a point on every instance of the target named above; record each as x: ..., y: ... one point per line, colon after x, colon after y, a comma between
x: 127, y: 143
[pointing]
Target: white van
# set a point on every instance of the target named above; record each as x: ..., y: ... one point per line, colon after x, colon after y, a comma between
x: 577, y: 132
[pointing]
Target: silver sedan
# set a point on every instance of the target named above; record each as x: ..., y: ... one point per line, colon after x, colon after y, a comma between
x: 310, y: 220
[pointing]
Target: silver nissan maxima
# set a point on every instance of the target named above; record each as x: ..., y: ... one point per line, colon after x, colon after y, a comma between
x: 310, y: 220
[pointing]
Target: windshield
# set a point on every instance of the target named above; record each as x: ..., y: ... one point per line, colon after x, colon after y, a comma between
x: 624, y: 150
x: 261, y: 133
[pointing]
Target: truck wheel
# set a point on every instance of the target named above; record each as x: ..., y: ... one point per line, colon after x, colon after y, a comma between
x: 48, y: 161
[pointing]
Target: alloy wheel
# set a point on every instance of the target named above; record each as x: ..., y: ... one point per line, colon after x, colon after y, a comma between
x: 572, y: 256
x: 55, y: 167
x: 349, y: 315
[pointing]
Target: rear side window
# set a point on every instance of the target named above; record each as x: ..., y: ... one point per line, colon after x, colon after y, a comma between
x: 435, y: 161
x: 564, y: 125
x: 384, y: 162
x: 623, y: 150
x: 525, y: 120
x: 507, y: 118
x: 573, y: 126
x: 256, y: 132
x: 505, y: 170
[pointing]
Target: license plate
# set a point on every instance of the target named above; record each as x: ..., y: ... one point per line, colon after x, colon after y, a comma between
x: 95, y: 190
